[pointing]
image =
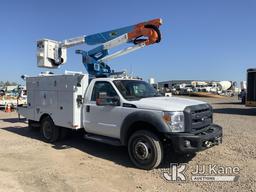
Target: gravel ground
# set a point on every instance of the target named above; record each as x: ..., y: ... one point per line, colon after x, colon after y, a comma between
x: 30, y: 164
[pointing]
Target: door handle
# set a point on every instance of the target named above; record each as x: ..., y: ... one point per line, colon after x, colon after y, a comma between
x: 87, y: 108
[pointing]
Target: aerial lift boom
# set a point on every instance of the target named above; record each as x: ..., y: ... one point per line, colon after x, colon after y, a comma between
x: 52, y: 54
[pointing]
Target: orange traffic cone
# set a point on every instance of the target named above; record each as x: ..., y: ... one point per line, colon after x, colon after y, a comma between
x: 8, y: 108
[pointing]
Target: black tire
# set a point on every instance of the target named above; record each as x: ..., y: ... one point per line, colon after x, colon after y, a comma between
x: 49, y: 131
x: 243, y: 100
x: 64, y: 133
x: 145, y: 150
x: 33, y: 125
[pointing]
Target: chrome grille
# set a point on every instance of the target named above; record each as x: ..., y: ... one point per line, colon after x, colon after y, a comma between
x: 198, y: 117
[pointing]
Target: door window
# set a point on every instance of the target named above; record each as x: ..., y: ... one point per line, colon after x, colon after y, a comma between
x: 103, y: 86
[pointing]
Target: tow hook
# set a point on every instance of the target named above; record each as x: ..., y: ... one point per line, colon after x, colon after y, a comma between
x: 216, y: 141
x: 207, y: 144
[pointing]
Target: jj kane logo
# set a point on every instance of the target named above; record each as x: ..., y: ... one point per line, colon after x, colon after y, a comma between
x: 212, y: 172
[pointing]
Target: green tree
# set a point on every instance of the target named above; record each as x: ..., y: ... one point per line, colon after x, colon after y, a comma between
x: 7, y: 83
x: 14, y: 83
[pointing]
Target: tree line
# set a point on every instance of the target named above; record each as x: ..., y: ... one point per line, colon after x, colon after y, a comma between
x: 7, y: 83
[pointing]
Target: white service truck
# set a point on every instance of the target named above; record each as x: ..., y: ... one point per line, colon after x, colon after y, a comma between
x: 120, y: 111
x: 114, y: 108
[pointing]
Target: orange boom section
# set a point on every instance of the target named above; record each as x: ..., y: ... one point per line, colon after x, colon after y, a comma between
x: 149, y: 29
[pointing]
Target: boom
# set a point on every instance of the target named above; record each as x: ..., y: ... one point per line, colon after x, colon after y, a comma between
x: 52, y: 54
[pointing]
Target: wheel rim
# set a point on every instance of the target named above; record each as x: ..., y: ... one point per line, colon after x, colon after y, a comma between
x: 47, y: 130
x: 142, y: 150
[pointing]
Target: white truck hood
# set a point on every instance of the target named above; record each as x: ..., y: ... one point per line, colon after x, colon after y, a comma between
x: 165, y: 103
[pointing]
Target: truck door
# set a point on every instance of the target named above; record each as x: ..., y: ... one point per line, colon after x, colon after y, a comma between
x: 102, y: 120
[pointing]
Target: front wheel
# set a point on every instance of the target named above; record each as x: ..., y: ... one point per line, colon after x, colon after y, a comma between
x: 145, y: 149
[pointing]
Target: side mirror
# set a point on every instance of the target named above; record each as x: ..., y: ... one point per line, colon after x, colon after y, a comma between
x: 104, y: 100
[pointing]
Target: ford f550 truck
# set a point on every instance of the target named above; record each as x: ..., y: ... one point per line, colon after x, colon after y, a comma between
x: 112, y: 107
x: 120, y: 111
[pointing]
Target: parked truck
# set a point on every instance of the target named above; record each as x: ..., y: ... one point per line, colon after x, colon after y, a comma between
x: 115, y: 108
x: 251, y: 88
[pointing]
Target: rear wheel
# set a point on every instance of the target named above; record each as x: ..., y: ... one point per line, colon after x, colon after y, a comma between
x: 145, y: 149
x: 33, y: 125
x: 49, y: 131
x: 64, y: 133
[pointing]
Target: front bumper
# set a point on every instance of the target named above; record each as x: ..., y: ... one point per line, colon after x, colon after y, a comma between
x: 194, y: 142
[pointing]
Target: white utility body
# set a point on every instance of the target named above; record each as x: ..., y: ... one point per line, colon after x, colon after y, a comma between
x: 57, y: 95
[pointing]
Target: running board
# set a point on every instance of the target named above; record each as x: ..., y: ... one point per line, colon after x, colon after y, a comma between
x: 103, y: 139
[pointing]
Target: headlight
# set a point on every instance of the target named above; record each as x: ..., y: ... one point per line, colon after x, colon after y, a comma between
x: 175, y: 120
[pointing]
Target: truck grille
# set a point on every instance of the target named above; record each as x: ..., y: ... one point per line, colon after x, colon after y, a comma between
x: 197, y: 117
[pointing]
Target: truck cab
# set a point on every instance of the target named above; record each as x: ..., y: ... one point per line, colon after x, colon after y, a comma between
x: 131, y: 108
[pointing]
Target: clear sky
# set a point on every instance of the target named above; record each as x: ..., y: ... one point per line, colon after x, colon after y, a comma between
x: 202, y: 39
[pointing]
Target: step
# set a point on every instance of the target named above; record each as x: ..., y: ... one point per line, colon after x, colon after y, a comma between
x: 103, y: 139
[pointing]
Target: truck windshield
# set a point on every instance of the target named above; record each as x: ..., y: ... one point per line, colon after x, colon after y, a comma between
x: 135, y: 89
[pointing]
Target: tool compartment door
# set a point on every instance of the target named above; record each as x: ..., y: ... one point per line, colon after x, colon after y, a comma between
x: 46, y: 103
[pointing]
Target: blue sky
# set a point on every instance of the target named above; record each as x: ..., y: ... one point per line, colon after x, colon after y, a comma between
x: 202, y: 39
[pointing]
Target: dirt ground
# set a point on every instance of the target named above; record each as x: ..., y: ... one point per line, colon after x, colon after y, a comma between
x: 27, y: 163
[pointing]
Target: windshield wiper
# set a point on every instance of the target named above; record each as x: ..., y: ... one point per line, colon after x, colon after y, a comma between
x: 132, y: 98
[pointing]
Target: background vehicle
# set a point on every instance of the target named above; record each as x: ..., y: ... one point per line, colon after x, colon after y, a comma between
x: 251, y: 88
x: 2, y: 92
